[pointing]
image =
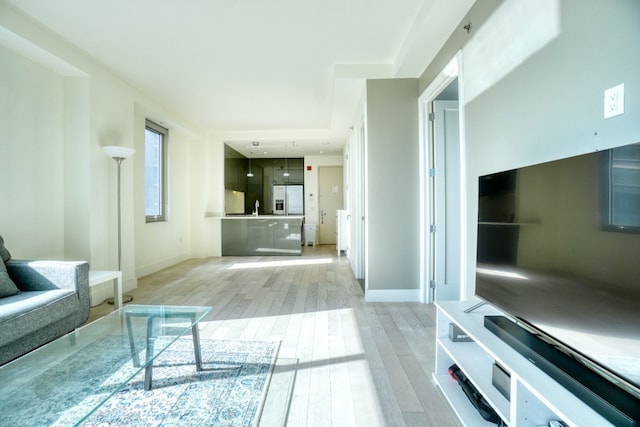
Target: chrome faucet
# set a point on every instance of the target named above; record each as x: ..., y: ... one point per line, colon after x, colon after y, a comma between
x: 257, y: 206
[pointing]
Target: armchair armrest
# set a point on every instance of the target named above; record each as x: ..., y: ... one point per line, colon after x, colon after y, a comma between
x: 43, y: 275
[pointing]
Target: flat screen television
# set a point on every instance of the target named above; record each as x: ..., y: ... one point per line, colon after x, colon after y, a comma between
x: 559, y: 252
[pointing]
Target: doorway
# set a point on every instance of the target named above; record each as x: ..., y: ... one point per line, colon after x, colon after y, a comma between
x: 329, y: 201
x: 442, y: 183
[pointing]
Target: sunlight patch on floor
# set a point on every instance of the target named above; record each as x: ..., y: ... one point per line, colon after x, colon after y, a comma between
x: 501, y: 273
x: 280, y: 263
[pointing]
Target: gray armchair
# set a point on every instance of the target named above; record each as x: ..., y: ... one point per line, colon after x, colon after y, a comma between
x: 52, y: 299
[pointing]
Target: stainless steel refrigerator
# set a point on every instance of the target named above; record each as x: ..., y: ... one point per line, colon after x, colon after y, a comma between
x: 288, y: 200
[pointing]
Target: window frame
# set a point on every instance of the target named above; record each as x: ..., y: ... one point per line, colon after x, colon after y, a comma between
x: 162, y: 161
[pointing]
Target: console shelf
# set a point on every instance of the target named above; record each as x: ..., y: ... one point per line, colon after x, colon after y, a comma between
x: 535, y: 397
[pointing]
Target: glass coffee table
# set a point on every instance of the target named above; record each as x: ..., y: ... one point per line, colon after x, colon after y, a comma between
x: 66, y: 380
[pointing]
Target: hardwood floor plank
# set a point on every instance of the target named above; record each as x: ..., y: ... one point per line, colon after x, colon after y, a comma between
x: 437, y: 411
x: 403, y: 392
x: 418, y: 338
x: 371, y: 333
x: 319, y: 399
x: 359, y: 364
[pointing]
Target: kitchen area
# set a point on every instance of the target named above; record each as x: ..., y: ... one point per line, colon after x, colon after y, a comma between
x: 264, y: 205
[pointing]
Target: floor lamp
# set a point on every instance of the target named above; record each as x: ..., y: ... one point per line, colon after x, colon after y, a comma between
x: 119, y: 154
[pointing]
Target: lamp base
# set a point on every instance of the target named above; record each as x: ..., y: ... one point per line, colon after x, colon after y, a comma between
x: 125, y: 299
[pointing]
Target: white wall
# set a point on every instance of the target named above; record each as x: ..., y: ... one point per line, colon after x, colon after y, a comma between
x: 31, y: 158
x: 61, y: 203
x: 550, y: 105
x: 77, y: 170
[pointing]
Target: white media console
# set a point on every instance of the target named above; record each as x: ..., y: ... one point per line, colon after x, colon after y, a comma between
x: 535, y: 398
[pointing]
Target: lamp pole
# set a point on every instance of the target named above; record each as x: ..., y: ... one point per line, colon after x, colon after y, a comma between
x: 119, y: 161
x: 119, y: 154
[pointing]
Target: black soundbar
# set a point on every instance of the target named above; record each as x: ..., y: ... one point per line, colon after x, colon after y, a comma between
x: 615, y: 404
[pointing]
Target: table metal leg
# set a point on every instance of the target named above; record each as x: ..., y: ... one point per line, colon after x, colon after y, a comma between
x: 132, y: 344
x: 196, y: 346
x: 148, y: 370
x: 150, y: 339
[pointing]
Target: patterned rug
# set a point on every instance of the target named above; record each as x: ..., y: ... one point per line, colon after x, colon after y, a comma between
x: 229, y: 391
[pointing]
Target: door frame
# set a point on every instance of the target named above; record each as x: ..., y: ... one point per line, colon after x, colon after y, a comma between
x: 356, y: 198
x: 429, y: 198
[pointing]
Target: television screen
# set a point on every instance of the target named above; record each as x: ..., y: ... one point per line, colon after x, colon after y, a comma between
x: 559, y: 250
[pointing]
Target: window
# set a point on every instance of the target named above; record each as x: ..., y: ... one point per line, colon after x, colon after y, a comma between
x: 155, y: 149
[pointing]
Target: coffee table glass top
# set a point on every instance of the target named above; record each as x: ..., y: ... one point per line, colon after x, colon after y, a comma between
x: 63, y: 382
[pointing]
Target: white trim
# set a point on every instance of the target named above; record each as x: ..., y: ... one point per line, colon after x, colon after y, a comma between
x: 442, y: 80
x: 393, y: 295
x: 365, y: 189
x: 160, y: 265
x: 357, y: 193
x: 450, y: 72
x: 464, y: 235
x: 423, y: 167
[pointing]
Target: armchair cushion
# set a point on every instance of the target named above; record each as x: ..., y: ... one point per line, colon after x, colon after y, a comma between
x: 7, y: 287
x: 4, y: 253
x: 36, y: 311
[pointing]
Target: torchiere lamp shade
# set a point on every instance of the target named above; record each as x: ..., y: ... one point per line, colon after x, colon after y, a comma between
x: 118, y: 152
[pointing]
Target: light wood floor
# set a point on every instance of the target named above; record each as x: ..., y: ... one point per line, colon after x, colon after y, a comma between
x: 360, y: 364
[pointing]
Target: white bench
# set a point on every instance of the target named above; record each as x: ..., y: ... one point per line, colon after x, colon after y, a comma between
x: 97, y: 277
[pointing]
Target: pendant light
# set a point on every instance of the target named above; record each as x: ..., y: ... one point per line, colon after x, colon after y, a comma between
x: 250, y: 174
x: 286, y: 172
x: 286, y: 162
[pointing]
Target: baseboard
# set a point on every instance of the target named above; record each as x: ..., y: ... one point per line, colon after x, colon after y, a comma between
x: 161, y: 265
x: 100, y: 293
x: 392, y: 295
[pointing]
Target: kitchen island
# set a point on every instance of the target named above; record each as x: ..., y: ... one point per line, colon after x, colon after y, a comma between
x: 248, y: 235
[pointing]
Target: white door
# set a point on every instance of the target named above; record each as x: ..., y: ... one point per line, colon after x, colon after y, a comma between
x: 447, y: 200
x: 329, y: 201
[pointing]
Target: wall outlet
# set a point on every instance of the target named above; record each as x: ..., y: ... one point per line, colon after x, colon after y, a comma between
x: 614, y: 101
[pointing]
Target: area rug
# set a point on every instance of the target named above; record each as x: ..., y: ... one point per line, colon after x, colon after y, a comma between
x: 229, y: 391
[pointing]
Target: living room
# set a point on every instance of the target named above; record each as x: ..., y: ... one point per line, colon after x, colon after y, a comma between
x: 543, y: 105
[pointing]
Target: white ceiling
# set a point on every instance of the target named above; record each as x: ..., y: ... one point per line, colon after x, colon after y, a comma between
x: 286, y: 73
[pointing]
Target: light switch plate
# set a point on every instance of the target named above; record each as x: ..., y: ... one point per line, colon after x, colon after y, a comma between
x: 614, y: 101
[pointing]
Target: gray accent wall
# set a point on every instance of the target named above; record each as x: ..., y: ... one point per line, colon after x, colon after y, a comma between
x: 551, y: 105
x: 392, y: 210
